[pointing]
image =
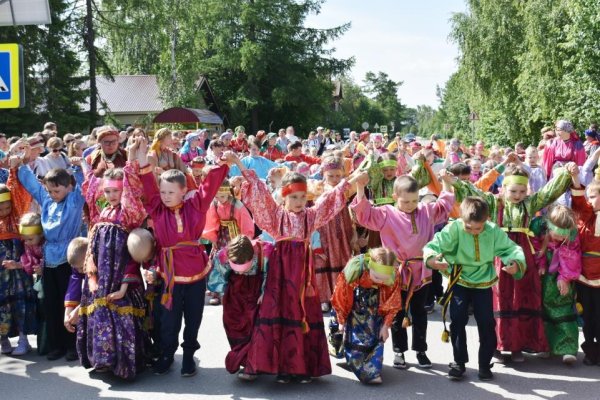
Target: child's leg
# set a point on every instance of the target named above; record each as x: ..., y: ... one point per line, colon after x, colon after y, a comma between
x: 459, y: 314
x: 585, y: 295
x: 56, y: 281
x: 486, y: 324
x: 171, y: 322
x: 399, y: 335
x: 193, y: 308
x: 419, y: 319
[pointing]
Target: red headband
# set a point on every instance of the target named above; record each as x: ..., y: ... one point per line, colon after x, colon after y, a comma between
x: 196, y: 164
x: 293, y: 187
x: 241, y: 267
x: 112, y: 183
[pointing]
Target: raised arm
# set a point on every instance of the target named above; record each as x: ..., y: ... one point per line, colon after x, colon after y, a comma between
x: 329, y: 204
x: 132, y: 209
x: 550, y: 192
x: 31, y: 184
x: 21, y: 199
x: 210, y: 186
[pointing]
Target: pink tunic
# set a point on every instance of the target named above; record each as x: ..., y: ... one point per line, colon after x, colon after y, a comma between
x: 32, y: 257
x: 406, y: 234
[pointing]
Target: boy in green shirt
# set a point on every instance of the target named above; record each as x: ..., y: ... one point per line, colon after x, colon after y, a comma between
x: 464, y: 251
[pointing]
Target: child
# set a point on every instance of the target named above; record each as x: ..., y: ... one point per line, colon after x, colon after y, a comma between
x: 405, y: 229
x: 183, y: 262
x: 226, y: 218
x: 197, y: 176
x: 112, y: 299
x: 468, y: 246
x: 32, y: 261
x: 366, y: 300
x: 518, y: 304
x: 17, y: 297
x: 336, y: 235
x: 76, y: 258
x: 537, y: 175
x: 62, y: 203
x: 289, y: 338
x: 559, y: 258
x: 243, y: 265
x: 588, y: 284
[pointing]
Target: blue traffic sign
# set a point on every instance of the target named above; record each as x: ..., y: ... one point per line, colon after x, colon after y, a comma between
x: 11, y: 76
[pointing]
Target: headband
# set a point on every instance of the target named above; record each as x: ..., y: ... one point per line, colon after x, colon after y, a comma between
x: 224, y: 190
x: 196, y: 164
x: 241, y: 267
x: 330, y: 166
x: 112, y: 183
x: 557, y: 230
x: 5, y: 197
x: 388, y: 163
x: 388, y: 270
x: 30, y: 230
x: 293, y: 187
x: 515, y: 180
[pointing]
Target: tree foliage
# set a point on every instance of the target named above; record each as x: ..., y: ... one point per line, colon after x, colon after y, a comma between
x: 522, y: 65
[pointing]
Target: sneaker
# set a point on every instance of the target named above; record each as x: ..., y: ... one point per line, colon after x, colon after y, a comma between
x: 304, y: 379
x: 517, y: 356
x: 568, y: 359
x: 456, y: 371
x: 71, y: 355
x: 399, y: 361
x: 162, y: 366
x: 325, y: 307
x: 55, y: 355
x: 22, y: 348
x: 498, y: 357
x: 282, y: 378
x: 6, y: 347
x: 485, y: 373
x: 188, y: 366
x: 246, y: 377
x: 430, y: 308
x: 423, y: 360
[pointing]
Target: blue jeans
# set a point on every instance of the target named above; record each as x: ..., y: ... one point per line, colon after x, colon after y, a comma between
x: 486, y: 324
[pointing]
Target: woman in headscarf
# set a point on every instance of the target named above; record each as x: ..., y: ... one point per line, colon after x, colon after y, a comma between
x: 161, y: 156
x: 191, y: 148
x: 565, y: 147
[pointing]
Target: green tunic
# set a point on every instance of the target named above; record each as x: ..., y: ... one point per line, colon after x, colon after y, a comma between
x: 475, y: 253
x: 514, y: 215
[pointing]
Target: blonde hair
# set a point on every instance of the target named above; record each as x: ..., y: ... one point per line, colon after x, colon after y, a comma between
x: 114, y: 174
x: 140, y: 244
x: 562, y: 216
x: 159, y: 136
x: 31, y: 219
x: 76, y: 253
x: 72, y: 149
x: 55, y: 142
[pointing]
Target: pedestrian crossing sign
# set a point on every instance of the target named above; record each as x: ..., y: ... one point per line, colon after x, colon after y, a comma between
x: 11, y: 76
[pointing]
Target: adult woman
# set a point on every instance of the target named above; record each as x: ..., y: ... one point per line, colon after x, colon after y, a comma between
x: 565, y: 147
x: 191, y: 148
x: 161, y: 156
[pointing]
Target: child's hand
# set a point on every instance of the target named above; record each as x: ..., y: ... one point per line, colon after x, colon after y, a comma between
x: 542, y: 271
x: 37, y: 269
x: 67, y: 320
x: 75, y: 161
x: 563, y: 287
x: 74, y: 316
x: 116, y: 295
x: 447, y: 176
x: 149, y: 277
x: 10, y: 264
x: 572, y: 168
x: 360, y: 178
x: 384, y: 333
x: 229, y: 158
x: 511, y: 268
x: 438, y: 263
x: 14, y: 161
x: 260, y: 299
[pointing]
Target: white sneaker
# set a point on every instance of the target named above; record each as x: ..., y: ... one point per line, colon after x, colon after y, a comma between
x: 569, y: 359
x: 5, y: 346
x: 399, y: 361
x: 22, y: 348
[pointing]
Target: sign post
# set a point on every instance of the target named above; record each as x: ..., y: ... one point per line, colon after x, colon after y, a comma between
x: 12, y: 84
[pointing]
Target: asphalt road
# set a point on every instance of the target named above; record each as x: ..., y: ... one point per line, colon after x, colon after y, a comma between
x: 33, y: 377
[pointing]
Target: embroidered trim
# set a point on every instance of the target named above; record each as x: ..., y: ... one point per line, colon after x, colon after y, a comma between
x: 577, y: 192
x: 145, y: 170
x: 102, y: 302
x: 477, y: 252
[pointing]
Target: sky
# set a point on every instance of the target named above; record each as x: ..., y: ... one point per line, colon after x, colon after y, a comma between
x: 406, y: 39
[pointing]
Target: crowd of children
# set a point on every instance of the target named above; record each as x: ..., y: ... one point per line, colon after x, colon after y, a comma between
x: 104, y: 257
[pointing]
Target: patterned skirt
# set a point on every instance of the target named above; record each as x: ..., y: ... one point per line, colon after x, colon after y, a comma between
x: 111, y: 334
x: 289, y: 333
x: 363, y: 349
x: 560, y: 319
x: 518, y: 305
x: 18, y: 300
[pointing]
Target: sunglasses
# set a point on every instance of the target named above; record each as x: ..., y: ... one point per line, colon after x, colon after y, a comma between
x: 55, y: 150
